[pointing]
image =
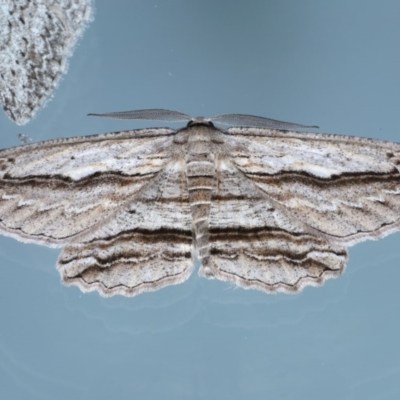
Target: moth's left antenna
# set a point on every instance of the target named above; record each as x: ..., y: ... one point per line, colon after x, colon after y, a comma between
x: 155, y: 114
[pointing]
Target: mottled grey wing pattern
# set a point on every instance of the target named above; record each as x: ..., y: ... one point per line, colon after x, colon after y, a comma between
x: 299, y: 200
x: 145, y: 245
x: 255, y: 242
x: 117, y: 203
x: 346, y: 188
x: 52, y: 192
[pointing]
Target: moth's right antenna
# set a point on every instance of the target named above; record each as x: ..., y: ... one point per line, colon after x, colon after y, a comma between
x: 252, y: 120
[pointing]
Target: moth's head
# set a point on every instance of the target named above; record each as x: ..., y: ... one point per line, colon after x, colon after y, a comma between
x: 199, y: 121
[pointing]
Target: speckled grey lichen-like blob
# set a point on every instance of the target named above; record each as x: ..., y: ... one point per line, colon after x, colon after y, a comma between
x: 36, y: 39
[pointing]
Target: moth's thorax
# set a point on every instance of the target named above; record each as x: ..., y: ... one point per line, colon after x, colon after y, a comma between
x: 200, y: 154
x: 200, y: 133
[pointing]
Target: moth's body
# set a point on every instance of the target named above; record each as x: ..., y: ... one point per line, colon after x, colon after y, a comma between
x: 200, y: 158
x: 261, y: 207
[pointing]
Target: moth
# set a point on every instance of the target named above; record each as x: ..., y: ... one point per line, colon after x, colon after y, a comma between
x: 261, y: 206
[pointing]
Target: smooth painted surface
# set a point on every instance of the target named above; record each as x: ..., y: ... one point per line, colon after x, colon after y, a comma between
x: 335, y: 64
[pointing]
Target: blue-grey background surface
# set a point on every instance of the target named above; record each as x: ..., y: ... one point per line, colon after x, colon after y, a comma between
x: 331, y: 63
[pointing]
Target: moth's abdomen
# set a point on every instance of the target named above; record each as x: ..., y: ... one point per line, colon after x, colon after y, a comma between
x: 200, y: 173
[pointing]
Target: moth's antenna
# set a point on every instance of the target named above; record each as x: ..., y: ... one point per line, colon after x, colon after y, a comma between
x: 252, y: 120
x: 157, y: 114
x: 160, y: 114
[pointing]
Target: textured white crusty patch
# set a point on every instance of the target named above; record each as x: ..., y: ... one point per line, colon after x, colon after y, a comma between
x: 132, y: 210
x: 36, y: 39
